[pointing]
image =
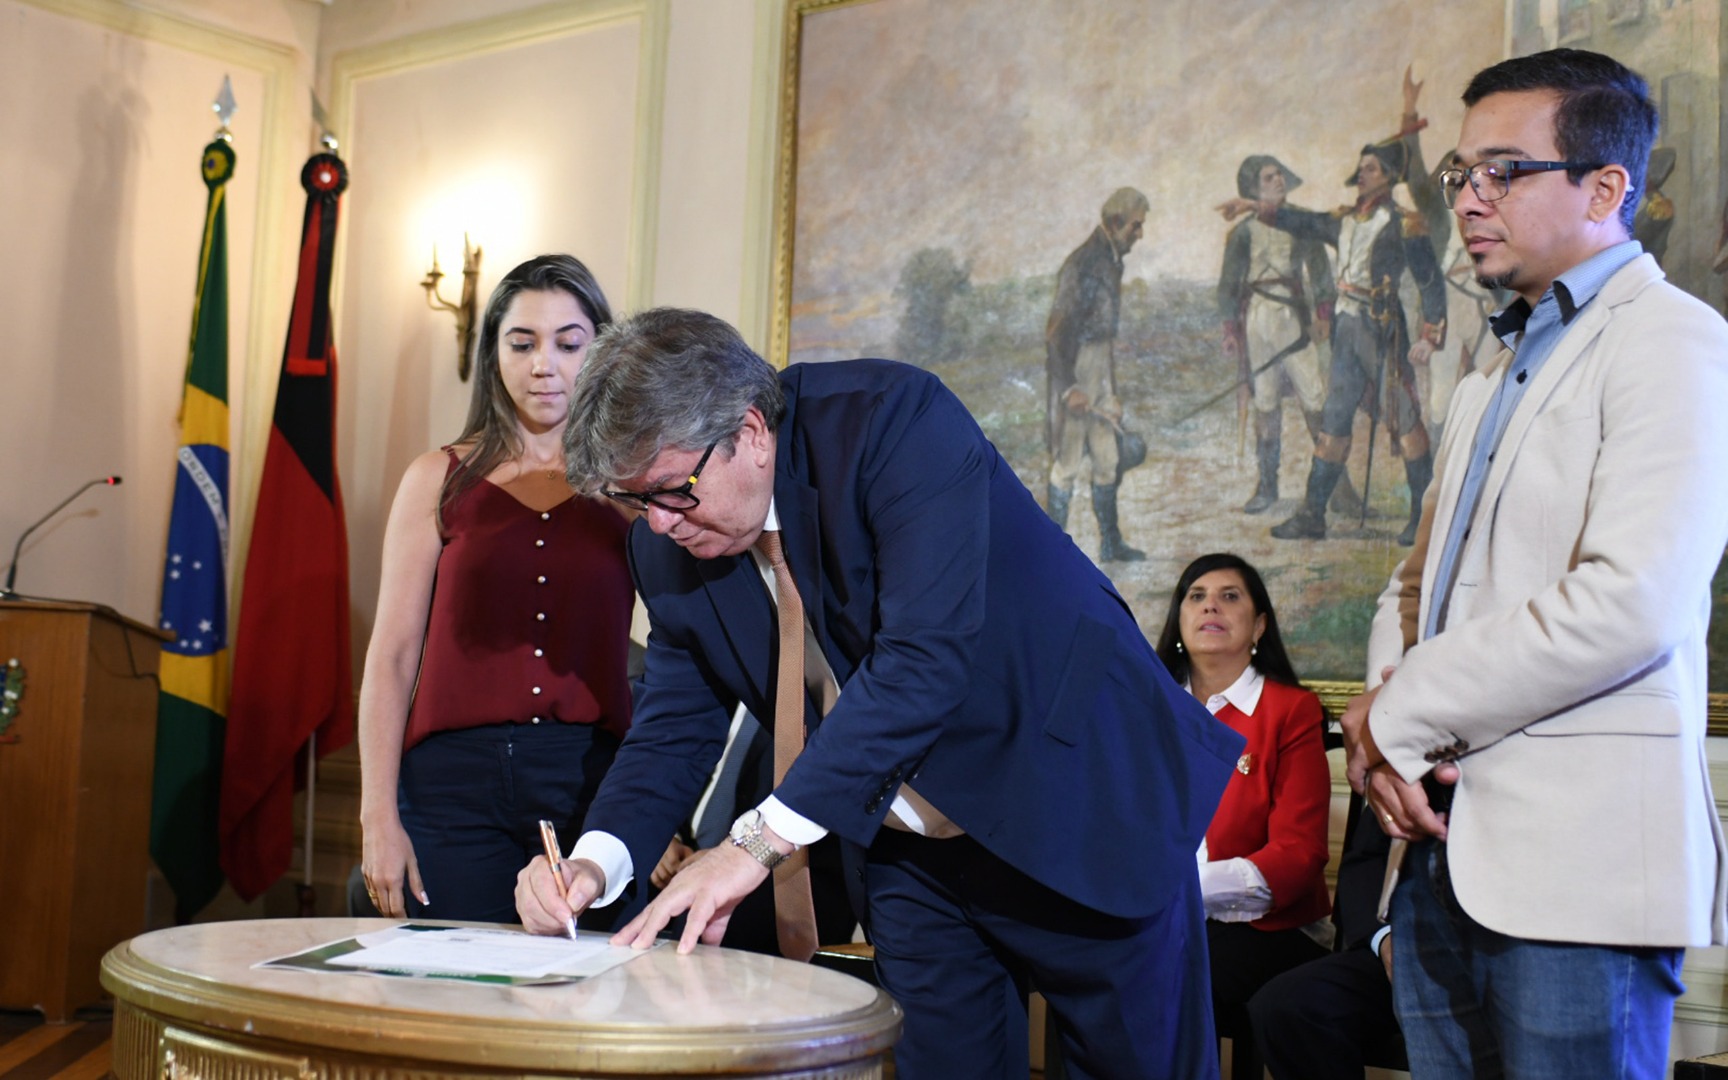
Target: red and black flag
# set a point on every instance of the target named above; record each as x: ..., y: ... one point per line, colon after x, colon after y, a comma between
x: 292, y: 673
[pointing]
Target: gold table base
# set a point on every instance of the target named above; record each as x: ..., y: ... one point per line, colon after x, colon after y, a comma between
x: 190, y: 1005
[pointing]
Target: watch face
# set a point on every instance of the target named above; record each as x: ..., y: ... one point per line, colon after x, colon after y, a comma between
x: 748, y: 825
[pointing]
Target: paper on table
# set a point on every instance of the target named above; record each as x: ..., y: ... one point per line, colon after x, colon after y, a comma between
x: 482, y: 952
x: 505, y: 957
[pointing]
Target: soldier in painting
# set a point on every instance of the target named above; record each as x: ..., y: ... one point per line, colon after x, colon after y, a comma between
x: 1372, y: 355
x: 1083, y: 413
x: 1468, y: 302
x: 1275, y: 297
x: 1655, y: 216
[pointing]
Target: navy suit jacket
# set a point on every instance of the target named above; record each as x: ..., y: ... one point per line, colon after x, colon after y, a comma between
x: 981, y: 656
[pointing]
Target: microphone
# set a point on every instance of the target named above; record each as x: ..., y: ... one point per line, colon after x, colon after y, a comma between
x: 8, y: 593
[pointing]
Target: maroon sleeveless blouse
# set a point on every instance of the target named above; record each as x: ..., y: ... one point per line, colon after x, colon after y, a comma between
x: 530, y: 617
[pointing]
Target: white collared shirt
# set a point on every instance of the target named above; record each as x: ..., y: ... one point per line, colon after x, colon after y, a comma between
x: 1244, y: 693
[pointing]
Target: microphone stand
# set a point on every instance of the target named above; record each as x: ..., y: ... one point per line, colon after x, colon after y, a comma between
x: 8, y: 593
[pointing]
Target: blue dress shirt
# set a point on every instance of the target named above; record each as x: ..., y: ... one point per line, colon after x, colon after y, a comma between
x: 1532, y: 336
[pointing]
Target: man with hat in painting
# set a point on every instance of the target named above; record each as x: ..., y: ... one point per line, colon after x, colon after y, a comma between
x: 1083, y: 418
x: 1275, y: 295
x: 1372, y: 355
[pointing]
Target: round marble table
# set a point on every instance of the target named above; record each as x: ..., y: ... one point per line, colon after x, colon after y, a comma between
x: 189, y: 1003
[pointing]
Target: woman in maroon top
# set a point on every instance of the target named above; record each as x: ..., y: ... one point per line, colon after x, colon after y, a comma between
x: 1263, y: 863
x: 495, y: 690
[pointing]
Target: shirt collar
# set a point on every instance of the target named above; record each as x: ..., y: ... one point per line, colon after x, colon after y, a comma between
x: 1244, y: 693
x: 1571, y: 290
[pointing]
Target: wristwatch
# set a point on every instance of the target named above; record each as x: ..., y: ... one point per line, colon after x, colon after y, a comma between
x: 747, y: 834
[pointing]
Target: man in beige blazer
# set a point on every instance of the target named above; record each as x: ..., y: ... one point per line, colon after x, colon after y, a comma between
x: 1543, y: 644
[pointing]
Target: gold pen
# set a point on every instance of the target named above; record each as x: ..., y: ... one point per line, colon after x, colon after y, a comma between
x: 554, y: 856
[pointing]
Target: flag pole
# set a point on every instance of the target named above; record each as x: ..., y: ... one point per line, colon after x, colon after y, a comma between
x: 309, y: 891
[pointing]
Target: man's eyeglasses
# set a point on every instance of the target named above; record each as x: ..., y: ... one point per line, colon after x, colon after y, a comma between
x: 1492, y: 179
x: 677, y: 499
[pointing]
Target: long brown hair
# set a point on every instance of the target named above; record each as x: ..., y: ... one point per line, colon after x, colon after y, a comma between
x: 492, y: 423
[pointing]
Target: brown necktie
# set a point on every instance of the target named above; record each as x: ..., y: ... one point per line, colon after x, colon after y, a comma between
x: 794, y: 914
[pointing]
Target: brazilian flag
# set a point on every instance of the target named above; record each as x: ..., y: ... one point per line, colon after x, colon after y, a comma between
x: 194, y: 703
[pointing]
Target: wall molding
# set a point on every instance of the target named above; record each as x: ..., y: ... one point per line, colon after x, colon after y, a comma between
x: 529, y: 27
x: 756, y: 293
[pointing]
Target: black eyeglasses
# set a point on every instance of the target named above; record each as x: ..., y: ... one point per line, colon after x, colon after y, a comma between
x: 1491, y: 180
x: 677, y: 499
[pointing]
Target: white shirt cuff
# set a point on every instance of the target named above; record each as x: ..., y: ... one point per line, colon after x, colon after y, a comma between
x: 789, y: 824
x: 611, y: 856
x: 1379, y: 936
x: 1234, y: 890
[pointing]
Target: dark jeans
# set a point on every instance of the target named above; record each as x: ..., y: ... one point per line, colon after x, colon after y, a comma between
x: 471, y: 802
x: 1474, y: 1002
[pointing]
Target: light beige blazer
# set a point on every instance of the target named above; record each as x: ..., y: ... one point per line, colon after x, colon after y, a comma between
x: 1570, y: 678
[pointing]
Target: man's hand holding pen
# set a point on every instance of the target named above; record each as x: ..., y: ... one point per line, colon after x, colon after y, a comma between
x: 549, y: 896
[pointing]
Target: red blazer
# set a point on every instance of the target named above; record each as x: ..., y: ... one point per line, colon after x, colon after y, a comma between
x: 1275, y: 814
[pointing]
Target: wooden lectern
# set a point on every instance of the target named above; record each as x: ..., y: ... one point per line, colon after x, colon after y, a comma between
x: 75, y: 774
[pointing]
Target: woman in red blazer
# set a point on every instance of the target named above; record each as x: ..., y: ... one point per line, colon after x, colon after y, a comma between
x: 1262, y: 865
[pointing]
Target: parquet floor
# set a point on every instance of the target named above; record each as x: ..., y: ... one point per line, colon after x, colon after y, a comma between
x: 33, y: 1050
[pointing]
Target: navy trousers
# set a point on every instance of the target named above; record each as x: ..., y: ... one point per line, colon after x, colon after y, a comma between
x: 961, y: 936
x: 471, y: 802
x: 1329, y: 1019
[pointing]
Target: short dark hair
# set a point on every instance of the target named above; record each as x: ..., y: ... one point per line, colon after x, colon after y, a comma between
x: 665, y: 377
x: 1248, y: 175
x: 1605, y: 115
x: 1270, y: 660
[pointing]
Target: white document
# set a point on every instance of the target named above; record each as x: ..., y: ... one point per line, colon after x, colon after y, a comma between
x: 459, y: 951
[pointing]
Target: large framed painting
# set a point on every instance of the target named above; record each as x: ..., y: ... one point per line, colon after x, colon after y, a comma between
x: 1021, y: 194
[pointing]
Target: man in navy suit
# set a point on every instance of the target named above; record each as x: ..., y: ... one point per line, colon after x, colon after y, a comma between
x: 1043, y: 782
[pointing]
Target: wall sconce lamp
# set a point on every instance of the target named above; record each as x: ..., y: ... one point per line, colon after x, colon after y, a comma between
x: 464, y: 309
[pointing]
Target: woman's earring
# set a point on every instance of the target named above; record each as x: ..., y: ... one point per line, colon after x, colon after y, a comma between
x: 1254, y: 649
x: 1178, y: 645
